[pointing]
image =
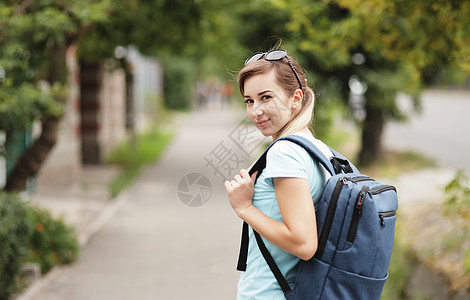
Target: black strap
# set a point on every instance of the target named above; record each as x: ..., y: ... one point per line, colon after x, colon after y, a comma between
x: 341, y: 165
x: 243, y: 255
x: 272, y: 264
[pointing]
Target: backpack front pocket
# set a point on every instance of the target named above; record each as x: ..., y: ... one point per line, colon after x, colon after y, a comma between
x: 345, y: 285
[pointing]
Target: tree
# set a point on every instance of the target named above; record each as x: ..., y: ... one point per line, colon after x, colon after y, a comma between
x: 34, y: 38
x: 35, y: 35
x: 389, y: 46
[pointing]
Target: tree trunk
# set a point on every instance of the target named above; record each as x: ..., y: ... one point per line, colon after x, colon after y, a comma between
x: 31, y: 160
x: 90, y: 122
x: 371, y: 136
x: 130, y: 109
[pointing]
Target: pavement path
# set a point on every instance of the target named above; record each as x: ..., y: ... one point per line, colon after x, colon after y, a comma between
x: 149, y: 245
x: 441, y: 131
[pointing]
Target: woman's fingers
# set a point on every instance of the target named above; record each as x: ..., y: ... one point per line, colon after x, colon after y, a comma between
x: 231, y: 184
x: 245, y: 175
x: 253, y: 176
x: 242, y: 179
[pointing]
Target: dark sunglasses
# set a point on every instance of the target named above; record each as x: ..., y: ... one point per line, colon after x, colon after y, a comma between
x: 273, y: 55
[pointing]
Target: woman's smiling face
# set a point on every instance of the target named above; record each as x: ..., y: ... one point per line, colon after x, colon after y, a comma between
x: 267, y: 104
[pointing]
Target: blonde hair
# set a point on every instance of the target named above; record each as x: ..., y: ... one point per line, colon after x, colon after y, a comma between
x: 286, y: 79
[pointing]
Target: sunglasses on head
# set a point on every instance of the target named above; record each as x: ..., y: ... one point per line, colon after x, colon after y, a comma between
x: 273, y: 55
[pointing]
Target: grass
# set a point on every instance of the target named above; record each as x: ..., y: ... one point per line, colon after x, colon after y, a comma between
x: 395, y: 163
x: 132, y: 155
x: 436, y: 235
x: 391, y: 163
x: 399, y: 270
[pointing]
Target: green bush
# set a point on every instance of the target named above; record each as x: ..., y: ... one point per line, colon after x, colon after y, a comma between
x: 52, y: 241
x: 179, y: 79
x: 14, y: 241
x: 399, y: 270
x: 466, y: 262
x: 131, y: 157
x: 458, y: 195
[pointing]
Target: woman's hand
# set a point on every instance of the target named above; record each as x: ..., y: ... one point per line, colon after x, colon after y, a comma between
x: 240, y: 191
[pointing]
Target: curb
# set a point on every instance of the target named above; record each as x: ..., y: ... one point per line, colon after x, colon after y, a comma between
x: 83, y: 238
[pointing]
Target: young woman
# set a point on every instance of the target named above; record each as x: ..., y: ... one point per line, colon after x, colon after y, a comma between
x: 281, y: 205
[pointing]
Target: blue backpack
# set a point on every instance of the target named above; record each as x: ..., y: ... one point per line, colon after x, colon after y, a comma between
x: 356, y: 225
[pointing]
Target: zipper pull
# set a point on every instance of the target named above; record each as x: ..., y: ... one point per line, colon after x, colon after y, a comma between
x: 382, y: 221
x: 345, y: 181
x: 360, y: 201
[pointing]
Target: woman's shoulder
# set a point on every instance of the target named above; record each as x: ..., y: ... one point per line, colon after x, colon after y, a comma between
x: 285, y: 145
x: 288, y: 146
x: 286, y: 150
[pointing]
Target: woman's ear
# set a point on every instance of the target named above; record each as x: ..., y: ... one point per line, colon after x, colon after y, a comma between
x: 298, y: 96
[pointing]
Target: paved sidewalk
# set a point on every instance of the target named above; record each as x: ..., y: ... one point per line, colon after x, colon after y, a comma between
x: 421, y: 187
x: 147, y: 244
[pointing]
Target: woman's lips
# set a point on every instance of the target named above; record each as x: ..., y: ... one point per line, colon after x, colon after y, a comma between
x: 262, y: 123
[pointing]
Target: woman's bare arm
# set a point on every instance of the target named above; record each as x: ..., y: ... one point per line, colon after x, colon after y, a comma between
x: 298, y: 233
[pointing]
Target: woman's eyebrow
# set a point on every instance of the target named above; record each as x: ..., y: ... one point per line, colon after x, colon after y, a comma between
x: 264, y: 92
x: 259, y: 94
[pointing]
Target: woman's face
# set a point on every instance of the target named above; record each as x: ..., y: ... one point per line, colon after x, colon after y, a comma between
x: 267, y: 104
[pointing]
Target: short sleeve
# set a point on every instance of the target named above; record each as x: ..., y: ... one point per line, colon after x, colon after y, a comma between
x: 286, y: 159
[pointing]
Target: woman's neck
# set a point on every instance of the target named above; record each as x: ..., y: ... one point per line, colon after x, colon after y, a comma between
x: 303, y: 130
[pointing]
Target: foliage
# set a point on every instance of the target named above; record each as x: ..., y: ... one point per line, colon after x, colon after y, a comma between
x: 386, y: 32
x: 34, y: 39
x: 19, y: 106
x: 458, y: 195
x: 53, y: 242
x: 179, y: 78
x: 36, y: 35
x: 400, y: 269
x: 133, y: 156
x: 33, y: 81
x: 165, y: 25
x: 30, y: 234
x: 375, y: 42
x: 14, y: 241
x: 466, y: 261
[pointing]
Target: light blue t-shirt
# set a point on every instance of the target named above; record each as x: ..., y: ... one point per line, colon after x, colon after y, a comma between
x: 284, y: 159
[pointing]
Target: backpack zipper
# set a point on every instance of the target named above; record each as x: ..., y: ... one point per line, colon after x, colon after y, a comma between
x: 382, y: 188
x: 387, y: 214
x: 330, y: 214
x: 356, y: 215
x: 360, y: 179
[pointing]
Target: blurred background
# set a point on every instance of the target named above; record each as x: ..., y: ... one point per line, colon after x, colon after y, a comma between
x: 119, y: 120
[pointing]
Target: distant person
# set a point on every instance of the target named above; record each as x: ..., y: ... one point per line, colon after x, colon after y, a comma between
x: 227, y: 93
x: 281, y: 205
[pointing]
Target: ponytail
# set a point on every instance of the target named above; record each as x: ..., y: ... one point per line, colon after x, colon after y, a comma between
x: 303, y: 118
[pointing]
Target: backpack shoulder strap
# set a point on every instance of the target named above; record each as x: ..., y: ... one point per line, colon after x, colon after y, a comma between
x: 281, y: 280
